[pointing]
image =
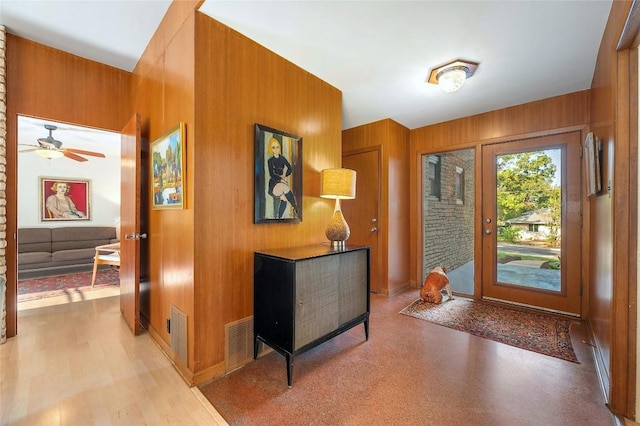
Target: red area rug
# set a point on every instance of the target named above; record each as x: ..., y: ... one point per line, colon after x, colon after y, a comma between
x: 39, y: 288
x: 536, y: 332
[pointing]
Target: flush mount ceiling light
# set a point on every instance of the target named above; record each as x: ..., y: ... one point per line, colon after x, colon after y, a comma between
x: 450, y: 77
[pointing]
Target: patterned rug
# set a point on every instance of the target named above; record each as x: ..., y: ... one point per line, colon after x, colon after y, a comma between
x: 40, y: 288
x: 537, y: 332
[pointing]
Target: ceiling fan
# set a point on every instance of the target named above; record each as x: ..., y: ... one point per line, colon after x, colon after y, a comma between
x: 52, y: 148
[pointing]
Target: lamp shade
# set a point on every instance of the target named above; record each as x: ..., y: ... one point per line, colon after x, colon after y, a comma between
x: 338, y: 184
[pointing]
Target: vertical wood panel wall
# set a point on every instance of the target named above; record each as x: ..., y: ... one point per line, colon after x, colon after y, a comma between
x: 550, y: 115
x: 611, y: 260
x: 52, y: 84
x: 393, y: 139
x: 163, y: 93
x: 241, y: 83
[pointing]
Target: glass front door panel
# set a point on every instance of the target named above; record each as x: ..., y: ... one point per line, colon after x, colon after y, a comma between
x: 531, y: 211
x: 529, y: 218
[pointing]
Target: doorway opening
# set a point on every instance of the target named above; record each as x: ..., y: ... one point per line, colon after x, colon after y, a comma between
x: 448, y: 206
x: 56, y: 270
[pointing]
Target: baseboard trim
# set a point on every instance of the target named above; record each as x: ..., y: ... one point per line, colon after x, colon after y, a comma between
x: 191, y: 378
x: 601, y: 367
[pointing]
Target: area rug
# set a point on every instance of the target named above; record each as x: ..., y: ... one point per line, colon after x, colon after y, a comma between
x: 40, y: 288
x: 537, y: 332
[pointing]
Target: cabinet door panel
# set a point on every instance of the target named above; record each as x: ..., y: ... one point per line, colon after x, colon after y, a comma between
x: 353, y: 285
x: 316, y: 298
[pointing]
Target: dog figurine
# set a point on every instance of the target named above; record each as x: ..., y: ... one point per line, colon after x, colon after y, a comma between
x: 433, y: 285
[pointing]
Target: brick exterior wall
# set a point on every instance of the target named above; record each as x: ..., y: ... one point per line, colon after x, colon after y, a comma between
x: 3, y: 182
x: 448, y: 221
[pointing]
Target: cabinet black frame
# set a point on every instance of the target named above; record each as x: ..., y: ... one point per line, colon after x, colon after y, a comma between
x: 273, y: 265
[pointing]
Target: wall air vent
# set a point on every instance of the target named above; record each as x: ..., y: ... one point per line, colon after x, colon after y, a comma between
x: 179, y: 334
x: 238, y: 344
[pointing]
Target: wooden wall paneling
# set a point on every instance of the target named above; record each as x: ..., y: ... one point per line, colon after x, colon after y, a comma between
x: 213, y: 173
x: 524, y: 118
x: 620, y: 298
x: 164, y: 92
x: 494, y: 124
x: 398, y: 216
x: 383, y: 219
x: 239, y: 84
x: 69, y: 89
x: 573, y: 108
x: 605, y: 246
x: 632, y: 329
x: 177, y: 227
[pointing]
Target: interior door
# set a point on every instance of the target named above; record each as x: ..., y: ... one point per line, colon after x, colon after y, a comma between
x: 525, y: 207
x: 130, y: 213
x: 362, y: 214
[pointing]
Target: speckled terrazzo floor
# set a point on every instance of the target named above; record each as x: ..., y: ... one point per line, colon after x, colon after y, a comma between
x: 412, y: 372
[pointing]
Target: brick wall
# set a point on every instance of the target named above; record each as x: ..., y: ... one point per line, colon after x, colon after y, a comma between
x: 3, y: 182
x: 448, y: 221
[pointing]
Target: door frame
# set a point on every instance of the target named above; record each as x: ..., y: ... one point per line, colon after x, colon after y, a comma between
x: 417, y: 212
x: 380, y: 260
x: 568, y: 300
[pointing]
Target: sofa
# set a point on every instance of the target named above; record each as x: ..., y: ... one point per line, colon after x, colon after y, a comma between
x: 49, y: 251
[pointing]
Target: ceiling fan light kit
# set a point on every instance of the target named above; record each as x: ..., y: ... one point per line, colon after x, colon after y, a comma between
x: 51, y: 148
x: 49, y: 154
x: 451, y: 77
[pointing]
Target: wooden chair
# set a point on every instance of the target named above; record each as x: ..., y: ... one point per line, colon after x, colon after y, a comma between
x: 107, y: 254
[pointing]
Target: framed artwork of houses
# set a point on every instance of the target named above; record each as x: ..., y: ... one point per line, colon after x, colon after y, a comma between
x: 167, y: 169
x: 64, y: 199
x: 278, y: 176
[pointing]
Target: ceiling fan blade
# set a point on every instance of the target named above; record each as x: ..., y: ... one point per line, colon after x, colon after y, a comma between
x: 72, y: 155
x: 30, y: 150
x: 80, y: 151
x: 29, y: 144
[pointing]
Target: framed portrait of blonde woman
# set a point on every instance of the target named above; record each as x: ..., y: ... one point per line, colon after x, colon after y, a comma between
x: 64, y: 199
x: 278, y: 176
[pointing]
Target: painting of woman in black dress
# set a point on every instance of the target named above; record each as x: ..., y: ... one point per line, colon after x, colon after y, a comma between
x: 278, y: 178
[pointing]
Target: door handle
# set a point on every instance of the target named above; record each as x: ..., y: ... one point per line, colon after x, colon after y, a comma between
x: 374, y: 229
x: 135, y: 236
x: 487, y: 231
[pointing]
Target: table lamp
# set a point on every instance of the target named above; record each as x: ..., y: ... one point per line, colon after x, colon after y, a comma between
x: 338, y: 184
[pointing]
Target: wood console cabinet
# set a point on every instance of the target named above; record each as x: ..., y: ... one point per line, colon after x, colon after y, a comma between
x: 304, y: 296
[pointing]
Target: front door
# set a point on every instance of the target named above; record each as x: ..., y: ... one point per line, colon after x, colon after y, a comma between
x: 130, y: 213
x: 362, y: 214
x: 531, y: 222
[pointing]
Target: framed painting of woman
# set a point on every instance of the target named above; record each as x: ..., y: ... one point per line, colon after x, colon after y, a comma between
x: 64, y: 199
x: 278, y: 176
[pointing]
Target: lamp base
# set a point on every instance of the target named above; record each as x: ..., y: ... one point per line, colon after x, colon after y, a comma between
x: 338, y: 245
x: 337, y: 230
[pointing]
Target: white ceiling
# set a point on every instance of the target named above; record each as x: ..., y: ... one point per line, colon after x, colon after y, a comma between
x: 379, y: 53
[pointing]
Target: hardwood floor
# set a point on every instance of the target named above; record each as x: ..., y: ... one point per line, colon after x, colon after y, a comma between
x: 78, y: 364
